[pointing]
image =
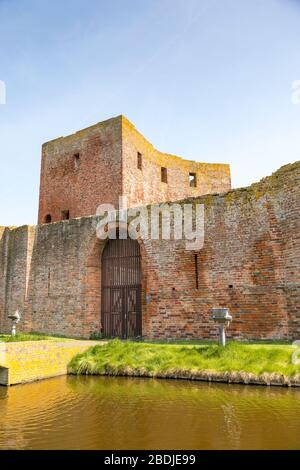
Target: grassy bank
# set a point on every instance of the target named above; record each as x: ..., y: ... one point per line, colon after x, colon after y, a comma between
x: 26, y: 337
x: 240, y: 362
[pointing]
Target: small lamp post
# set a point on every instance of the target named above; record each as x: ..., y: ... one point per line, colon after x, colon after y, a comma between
x: 222, y: 318
x: 15, y: 318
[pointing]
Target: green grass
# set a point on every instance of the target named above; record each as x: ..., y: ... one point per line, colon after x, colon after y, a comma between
x: 125, y: 357
x: 26, y: 337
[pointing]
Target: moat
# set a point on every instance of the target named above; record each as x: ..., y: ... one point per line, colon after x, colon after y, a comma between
x: 120, y: 413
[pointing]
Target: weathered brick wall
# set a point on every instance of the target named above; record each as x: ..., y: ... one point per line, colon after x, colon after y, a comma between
x: 79, y: 186
x: 107, y: 169
x: 15, y: 257
x: 145, y: 186
x: 287, y: 183
x: 249, y: 263
x: 57, y: 289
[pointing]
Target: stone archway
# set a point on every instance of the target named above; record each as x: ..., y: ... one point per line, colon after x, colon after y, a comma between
x: 92, y: 322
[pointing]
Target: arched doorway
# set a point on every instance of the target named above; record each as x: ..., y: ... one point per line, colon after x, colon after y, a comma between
x: 121, y: 289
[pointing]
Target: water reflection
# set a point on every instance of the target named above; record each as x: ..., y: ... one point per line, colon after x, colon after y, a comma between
x: 120, y: 413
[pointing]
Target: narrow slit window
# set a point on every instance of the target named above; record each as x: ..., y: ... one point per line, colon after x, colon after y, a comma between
x: 164, y: 175
x: 48, y: 219
x: 196, y: 272
x: 76, y: 161
x: 65, y: 215
x: 193, y: 180
x: 139, y: 161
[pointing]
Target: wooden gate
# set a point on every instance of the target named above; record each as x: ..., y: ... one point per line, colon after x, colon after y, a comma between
x: 121, y: 289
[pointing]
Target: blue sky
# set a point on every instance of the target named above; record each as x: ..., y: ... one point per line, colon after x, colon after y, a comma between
x: 209, y: 80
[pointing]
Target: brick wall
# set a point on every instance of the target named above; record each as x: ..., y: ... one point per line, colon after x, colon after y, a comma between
x: 15, y: 257
x: 57, y: 293
x: 144, y: 186
x: 250, y: 263
x: 80, y: 184
x: 98, y: 164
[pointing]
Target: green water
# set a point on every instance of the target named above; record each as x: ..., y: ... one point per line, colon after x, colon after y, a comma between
x: 120, y: 413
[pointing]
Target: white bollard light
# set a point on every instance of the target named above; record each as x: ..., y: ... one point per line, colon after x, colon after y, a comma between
x: 15, y: 318
x: 223, y: 319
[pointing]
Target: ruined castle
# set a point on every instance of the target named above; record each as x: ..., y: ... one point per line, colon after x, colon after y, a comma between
x: 65, y: 280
